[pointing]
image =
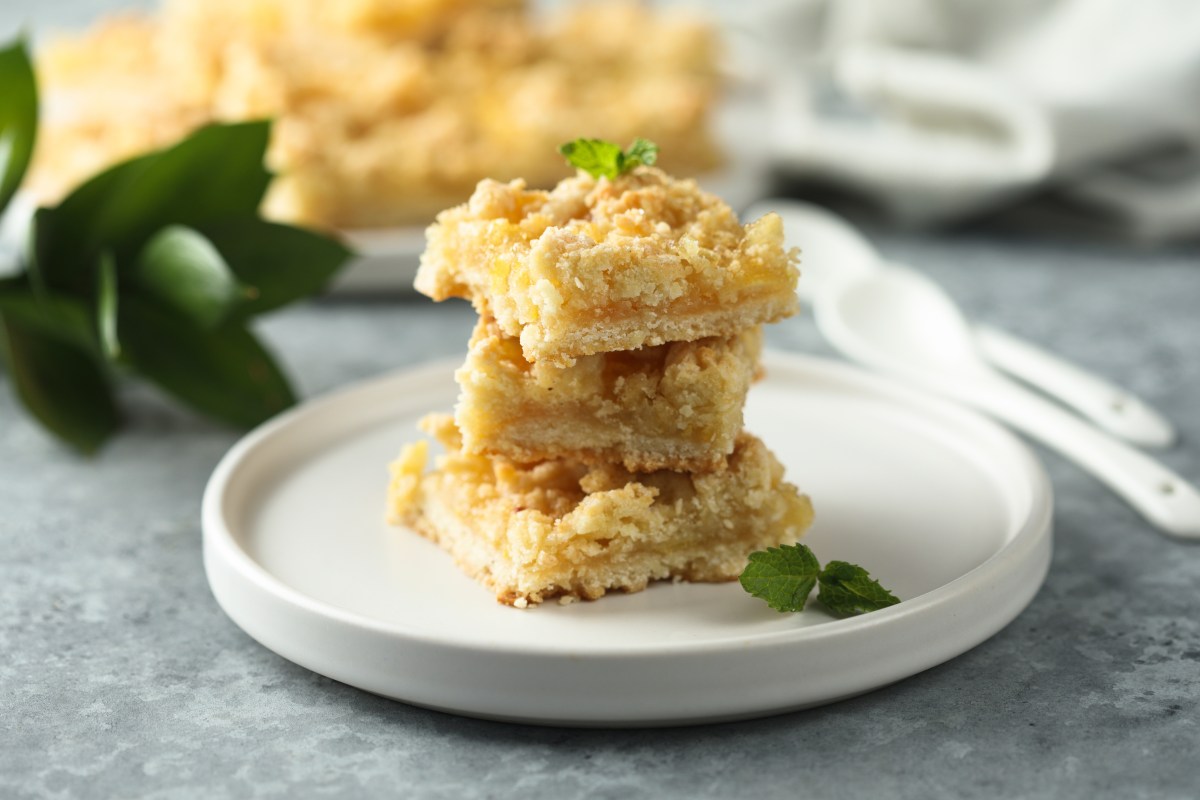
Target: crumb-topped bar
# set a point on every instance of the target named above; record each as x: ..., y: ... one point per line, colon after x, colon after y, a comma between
x: 565, y: 529
x: 673, y: 406
x: 597, y: 265
x: 387, y: 111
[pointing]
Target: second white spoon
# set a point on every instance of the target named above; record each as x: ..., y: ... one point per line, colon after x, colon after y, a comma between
x: 898, y: 321
x: 832, y: 249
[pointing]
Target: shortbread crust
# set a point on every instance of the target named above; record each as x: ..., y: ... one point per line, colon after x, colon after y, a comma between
x: 565, y: 529
x: 674, y: 406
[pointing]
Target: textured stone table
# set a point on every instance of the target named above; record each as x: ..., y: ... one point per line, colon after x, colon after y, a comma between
x: 120, y: 676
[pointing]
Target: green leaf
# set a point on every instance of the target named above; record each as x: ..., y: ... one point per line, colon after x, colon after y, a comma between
x: 182, y: 269
x: 603, y: 159
x: 63, y: 386
x: 67, y: 238
x: 642, y: 151
x: 214, y: 173
x: 277, y: 263
x: 848, y: 589
x: 106, y: 307
x: 595, y: 156
x: 18, y: 117
x: 784, y: 576
x: 223, y: 372
x: 66, y: 319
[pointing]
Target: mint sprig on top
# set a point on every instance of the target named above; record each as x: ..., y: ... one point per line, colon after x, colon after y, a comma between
x: 604, y: 159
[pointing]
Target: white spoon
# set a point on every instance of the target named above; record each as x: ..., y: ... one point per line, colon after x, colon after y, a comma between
x: 832, y: 248
x: 899, y: 321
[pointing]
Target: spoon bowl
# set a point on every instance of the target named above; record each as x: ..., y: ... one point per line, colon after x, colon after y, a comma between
x: 897, y: 321
x: 833, y: 251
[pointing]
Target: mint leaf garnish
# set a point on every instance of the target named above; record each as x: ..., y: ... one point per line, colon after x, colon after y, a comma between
x: 784, y: 576
x: 604, y: 159
x: 848, y: 589
x: 595, y: 156
x: 642, y: 151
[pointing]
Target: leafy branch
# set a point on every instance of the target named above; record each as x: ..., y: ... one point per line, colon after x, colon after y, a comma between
x: 154, y: 266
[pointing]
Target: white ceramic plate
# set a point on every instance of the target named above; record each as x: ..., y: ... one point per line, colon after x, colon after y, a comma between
x: 946, y: 508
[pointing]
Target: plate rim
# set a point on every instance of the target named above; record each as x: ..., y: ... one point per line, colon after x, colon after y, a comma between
x: 220, y: 540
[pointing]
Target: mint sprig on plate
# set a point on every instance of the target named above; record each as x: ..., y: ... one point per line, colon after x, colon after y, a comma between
x: 848, y: 589
x: 153, y: 267
x: 785, y: 576
x: 604, y: 159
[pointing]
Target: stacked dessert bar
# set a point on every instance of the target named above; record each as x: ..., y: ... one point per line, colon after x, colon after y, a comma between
x: 597, y: 443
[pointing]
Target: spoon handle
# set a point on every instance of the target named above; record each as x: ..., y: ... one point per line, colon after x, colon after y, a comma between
x: 1163, y: 497
x: 1111, y: 408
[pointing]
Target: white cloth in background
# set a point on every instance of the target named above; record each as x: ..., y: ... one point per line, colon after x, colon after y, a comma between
x: 944, y: 108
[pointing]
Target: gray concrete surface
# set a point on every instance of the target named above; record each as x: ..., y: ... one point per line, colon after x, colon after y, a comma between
x: 120, y: 677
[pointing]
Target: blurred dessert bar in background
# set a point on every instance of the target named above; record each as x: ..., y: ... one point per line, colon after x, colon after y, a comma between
x: 386, y: 110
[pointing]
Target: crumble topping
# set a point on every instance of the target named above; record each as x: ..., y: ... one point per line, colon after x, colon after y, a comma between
x: 563, y: 269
